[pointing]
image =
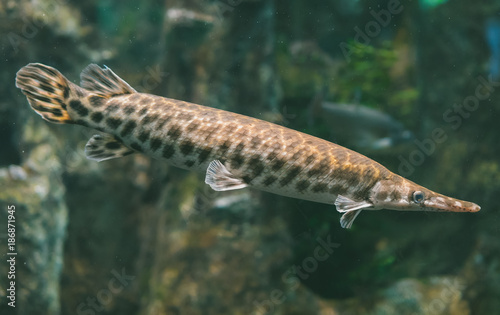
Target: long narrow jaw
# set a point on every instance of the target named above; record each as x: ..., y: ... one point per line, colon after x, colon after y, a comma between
x: 405, y: 195
x: 438, y: 202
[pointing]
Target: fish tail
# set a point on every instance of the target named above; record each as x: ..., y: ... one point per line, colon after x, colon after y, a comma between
x: 48, y: 91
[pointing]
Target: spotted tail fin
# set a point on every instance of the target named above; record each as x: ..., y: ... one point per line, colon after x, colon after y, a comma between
x: 47, y: 90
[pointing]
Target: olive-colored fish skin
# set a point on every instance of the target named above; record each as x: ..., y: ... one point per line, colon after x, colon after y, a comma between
x: 263, y: 155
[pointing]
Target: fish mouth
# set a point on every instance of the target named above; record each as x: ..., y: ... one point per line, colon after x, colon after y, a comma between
x: 447, y: 204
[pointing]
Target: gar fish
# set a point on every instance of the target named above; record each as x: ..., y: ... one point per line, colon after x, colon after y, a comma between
x: 234, y: 150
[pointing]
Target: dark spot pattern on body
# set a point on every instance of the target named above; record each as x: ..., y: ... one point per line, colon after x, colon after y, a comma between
x: 77, y: 106
x: 113, y: 145
x: 290, y: 175
x: 303, y: 185
x: 112, y: 106
x: 155, y: 143
x: 224, y: 147
x: 96, y: 101
x: 247, y: 179
x: 204, y: 154
x: 144, y: 136
x: 271, y: 156
x: 82, y: 123
x: 129, y: 109
x: 136, y: 146
x: 143, y: 111
x: 237, y: 160
x: 149, y: 119
x: 189, y: 163
x: 322, y: 167
x: 113, y: 123
x: 255, y: 166
x: 338, y: 189
x: 277, y: 164
x: 96, y: 117
x: 310, y: 158
x: 168, y: 151
x: 320, y: 188
x: 186, y: 147
x: 239, y: 147
x: 353, y: 181
x: 128, y: 128
x: 269, y: 180
x: 175, y: 132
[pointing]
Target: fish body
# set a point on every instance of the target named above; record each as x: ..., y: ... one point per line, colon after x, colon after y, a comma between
x: 234, y: 150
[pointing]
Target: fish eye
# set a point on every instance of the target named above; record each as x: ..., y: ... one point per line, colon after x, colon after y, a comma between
x: 418, y: 196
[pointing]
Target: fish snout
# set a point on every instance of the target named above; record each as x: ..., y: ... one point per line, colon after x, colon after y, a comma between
x: 443, y: 203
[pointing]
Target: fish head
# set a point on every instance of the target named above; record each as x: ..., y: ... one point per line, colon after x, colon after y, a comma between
x: 403, y: 194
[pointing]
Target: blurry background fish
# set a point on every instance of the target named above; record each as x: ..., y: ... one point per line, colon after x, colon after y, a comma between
x: 493, y: 39
x: 359, y: 126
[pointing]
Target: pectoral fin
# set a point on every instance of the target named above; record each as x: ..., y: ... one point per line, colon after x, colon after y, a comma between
x: 350, y: 209
x: 345, y: 204
x: 221, y: 179
x: 348, y: 218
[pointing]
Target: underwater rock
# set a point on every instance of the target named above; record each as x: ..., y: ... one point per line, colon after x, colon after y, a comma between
x: 435, y: 295
x: 36, y: 191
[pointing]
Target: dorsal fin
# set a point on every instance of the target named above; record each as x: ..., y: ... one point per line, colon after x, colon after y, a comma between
x: 103, y: 82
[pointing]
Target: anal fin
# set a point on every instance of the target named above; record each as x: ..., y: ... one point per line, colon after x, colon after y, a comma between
x: 105, y: 147
x: 221, y: 179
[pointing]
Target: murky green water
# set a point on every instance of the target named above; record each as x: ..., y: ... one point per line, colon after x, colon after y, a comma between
x: 413, y: 85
